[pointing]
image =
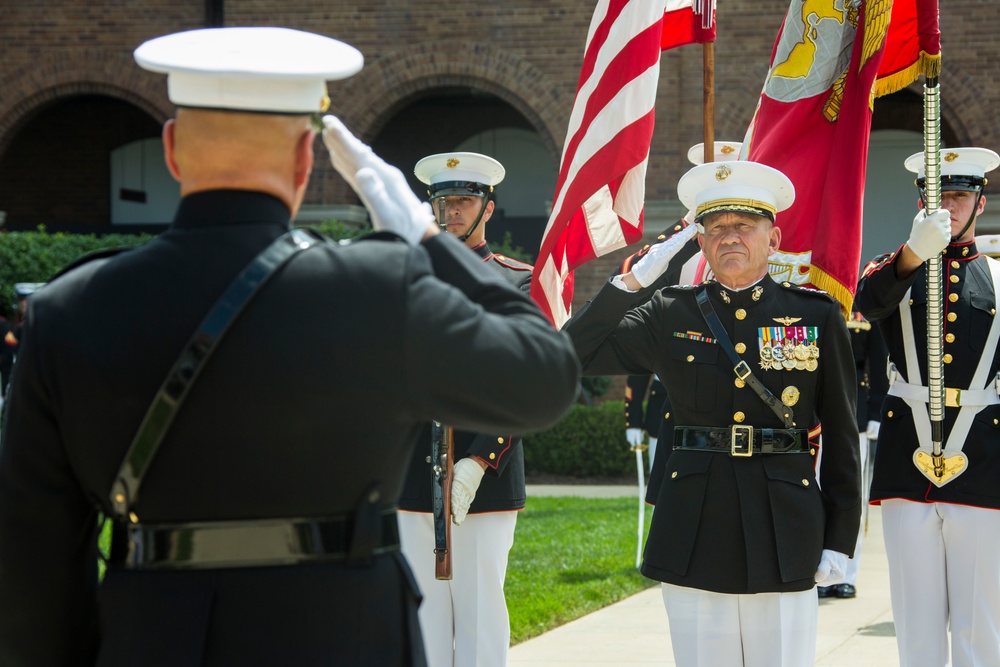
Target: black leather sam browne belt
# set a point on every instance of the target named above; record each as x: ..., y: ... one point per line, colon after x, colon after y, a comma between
x: 370, y: 530
x: 740, y: 440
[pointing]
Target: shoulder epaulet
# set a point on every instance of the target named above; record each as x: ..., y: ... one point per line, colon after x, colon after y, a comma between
x: 512, y: 263
x: 811, y: 291
x: 878, y: 263
x: 681, y: 288
x: 103, y: 253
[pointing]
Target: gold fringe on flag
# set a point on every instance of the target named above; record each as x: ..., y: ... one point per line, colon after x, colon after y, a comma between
x: 824, y: 281
x: 926, y: 64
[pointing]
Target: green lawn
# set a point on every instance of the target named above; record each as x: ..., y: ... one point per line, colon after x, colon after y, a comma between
x: 571, y: 556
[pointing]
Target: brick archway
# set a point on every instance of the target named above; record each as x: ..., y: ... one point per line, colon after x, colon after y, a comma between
x: 369, y: 99
x: 91, y: 71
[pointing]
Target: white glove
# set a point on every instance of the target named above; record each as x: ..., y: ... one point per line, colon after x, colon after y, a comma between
x: 930, y: 234
x: 655, y: 262
x: 466, y: 478
x: 832, y: 568
x: 383, y: 189
x: 634, y: 436
x: 872, y: 431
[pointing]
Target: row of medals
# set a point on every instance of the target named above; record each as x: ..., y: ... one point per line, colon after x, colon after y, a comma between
x: 789, y: 356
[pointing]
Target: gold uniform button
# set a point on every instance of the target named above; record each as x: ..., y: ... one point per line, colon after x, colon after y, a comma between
x: 500, y: 440
x: 492, y: 456
x: 741, y: 314
x: 953, y: 297
x: 952, y: 317
x: 740, y: 348
x: 993, y: 311
x: 996, y: 421
x: 739, y: 383
x: 889, y: 414
x: 805, y: 482
x: 946, y: 358
x: 739, y: 417
x: 954, y: 279
x: 812, y: 451
x: 690, y: 358
x: 666, y: 416
x: 911, y: 302
x: 954, y: 264
x: 950, y: 338
x: 673, y: 475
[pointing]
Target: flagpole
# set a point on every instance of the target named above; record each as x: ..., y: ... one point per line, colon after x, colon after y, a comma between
x: 935, y: 300
x: 708, y: 57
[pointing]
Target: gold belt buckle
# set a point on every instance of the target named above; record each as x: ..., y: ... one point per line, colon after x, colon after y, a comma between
x: 734, y: 449
x: 952, y: 397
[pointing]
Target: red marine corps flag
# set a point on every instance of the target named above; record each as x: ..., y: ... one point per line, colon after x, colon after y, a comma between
x: 912, y: 47
x: 598, y: 203
x: 812, y: 123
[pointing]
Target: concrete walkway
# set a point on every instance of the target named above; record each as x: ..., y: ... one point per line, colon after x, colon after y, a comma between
x: 854, y: 633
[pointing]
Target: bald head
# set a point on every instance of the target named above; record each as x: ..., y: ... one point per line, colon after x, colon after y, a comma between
x: 212, y: 150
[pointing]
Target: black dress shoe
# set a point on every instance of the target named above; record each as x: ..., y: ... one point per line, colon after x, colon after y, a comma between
x: 824, y: 591
x: 844, y: 591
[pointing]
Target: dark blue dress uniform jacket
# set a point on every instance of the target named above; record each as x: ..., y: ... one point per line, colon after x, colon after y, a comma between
x: 292, y: 417
x: 721, y: 523
x: 502, y: 487
x: 968, y: 317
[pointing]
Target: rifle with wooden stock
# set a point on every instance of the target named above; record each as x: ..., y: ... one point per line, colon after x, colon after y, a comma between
x: 442, y: 462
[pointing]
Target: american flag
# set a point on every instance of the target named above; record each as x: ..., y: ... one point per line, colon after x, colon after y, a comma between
x: 598, y: 204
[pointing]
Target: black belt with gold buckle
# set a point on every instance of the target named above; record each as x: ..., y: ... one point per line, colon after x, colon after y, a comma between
x: 243, y: 543
x: 740, y: 440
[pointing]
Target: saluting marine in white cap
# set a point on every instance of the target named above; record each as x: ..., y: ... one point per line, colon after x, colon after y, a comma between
x: 459, y: 183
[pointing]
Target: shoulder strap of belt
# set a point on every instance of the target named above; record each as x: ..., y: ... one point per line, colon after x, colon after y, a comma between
x: 740, y: 367
x: 192, y: 359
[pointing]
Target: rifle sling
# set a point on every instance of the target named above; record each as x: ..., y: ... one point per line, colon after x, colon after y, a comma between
x: 740, y: 367
x: 192, y: 360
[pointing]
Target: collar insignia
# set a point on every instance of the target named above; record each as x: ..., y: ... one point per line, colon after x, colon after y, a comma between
x: 756, y: 293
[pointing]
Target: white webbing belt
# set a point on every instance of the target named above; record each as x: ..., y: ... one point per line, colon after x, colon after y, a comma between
x: 971, y: 401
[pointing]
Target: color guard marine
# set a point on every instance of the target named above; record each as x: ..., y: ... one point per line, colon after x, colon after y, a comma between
x: 464, y: 620
x: 749, y: 365
x: 942, y: 536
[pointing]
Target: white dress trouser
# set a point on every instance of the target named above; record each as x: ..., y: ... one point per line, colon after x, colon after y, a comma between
x: 721, y: 630
x: 464, y: 621
x: 944, y: 570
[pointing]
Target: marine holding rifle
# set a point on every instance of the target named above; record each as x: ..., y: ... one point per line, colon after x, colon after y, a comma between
x: 942, y: 532
x: 742, y: 529
x: 252, y: 471
x: 464, y: 619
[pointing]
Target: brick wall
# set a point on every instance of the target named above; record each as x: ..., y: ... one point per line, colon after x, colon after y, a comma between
x: 525, y: 52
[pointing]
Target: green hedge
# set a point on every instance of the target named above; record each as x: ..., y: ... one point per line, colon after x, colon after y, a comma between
x: 34, y: 257
x: 588, y: 442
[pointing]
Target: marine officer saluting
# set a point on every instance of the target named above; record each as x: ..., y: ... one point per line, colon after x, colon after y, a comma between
x: 942, y: 536
x: 741, y: 533
x: 253, y: 494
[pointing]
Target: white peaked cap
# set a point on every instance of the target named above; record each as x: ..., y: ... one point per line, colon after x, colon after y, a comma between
x: 269, y: 70
x: 725, y: 151
x: 740, y: 185
x: 958, y: 162
x: 459, y: 166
